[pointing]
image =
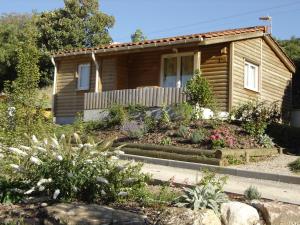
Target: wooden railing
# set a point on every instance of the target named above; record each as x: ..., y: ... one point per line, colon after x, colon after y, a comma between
x: 148, y: 96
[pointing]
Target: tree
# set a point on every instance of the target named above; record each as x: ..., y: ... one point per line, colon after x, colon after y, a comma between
x: 78, y: 24
x: 12, y: 34
x: 138, y: 36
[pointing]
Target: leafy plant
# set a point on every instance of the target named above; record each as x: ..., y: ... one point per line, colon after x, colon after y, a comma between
x: 133, y: 130
x: 136, y: 111
x: 209, y: 177
x: 252, y: 193
x: 150, y: 123
x: 199, y: 91
x: 117, y: 115
x: 221, y: 138
x: 202, y: 197
x: 198, y: 136
x: 183, y: 113
x: 182, y: 131
x: 166, y: 141
x: 69, y: 169
x: 266, y: 141
x: 164, y: 120
x: 255, y: 116
x: 295, y: 166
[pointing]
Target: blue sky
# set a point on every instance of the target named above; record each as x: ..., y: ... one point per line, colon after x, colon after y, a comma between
x: 162, y: 18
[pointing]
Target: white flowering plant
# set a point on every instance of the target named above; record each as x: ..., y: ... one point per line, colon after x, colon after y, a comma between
x: 65, y: 168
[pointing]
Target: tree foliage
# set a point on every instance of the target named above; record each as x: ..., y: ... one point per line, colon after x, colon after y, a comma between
x: 78, y: 24
x: 138, y: 36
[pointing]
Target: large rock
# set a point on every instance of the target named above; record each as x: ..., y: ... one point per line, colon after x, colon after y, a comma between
x: 184, y: 216
x: 276, y: 213
x: 237, y: 213
x: 75, y: 214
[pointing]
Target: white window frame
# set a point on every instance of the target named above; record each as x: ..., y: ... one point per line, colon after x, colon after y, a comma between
x: 178, y: 56
x: 79, y: 87
x: 248, y: 64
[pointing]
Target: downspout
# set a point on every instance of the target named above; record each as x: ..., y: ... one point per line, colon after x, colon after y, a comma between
x: 54, y: 85
x: 97, y: 72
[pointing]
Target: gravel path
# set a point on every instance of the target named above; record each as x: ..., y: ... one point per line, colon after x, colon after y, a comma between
x: 278, y: 165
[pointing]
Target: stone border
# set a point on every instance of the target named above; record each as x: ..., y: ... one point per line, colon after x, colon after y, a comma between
x: 217, y: 169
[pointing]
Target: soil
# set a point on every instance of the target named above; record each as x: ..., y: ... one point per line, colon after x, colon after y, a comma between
x: 157, y: 136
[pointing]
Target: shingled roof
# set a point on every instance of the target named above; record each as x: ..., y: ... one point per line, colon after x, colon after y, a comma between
x: 199, y: 36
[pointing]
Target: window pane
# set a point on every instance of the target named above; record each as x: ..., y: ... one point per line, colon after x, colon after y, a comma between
x: 251, y: 76
x: 170, y: 72
x: 84, y: 76
x: 187, y: 69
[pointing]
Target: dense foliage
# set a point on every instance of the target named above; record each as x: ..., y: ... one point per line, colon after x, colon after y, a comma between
x: 200, y: 92
x: 138, y: 36
x: 78, y: 24
x: 68, y: 169
x: 295, y: 166
x: 252, y: 193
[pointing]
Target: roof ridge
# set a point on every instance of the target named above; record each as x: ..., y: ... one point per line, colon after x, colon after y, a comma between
x: 209, y: 34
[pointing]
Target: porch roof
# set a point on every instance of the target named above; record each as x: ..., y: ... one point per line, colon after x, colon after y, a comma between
x: 200, y: 37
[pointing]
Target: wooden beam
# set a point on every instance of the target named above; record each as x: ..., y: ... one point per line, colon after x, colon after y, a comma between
x: 98, y: 86
x: 230, y: 78
x: 54, y: 85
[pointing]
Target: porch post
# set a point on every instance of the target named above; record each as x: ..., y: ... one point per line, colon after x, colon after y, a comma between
x: 197, y: 60
x: 54, y: 85
x: 97, y: 74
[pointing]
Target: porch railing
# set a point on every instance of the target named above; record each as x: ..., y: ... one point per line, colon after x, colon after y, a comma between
x: 148, y: 96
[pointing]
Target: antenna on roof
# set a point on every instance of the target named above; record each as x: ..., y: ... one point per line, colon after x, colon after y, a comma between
x: 268, y: 20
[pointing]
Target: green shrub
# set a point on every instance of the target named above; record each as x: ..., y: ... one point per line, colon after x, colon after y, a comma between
x: 117, y: 115
x: 256, y: 116
x: 199, y: 91
x: 133, y: 129
x: 202, y: 197
x: 166, y: 141
x: 251, y: 193
x: 183, y: 113
x: 295, y: 166
x: 198, y: 136
x: 266, y: 141
x: 254, y: 128
x: 164, y: 120
x: 68, y: 169
x: 136, y: 111
x: 150, y: 123
x: 182, y: 131
x: 209, y: 177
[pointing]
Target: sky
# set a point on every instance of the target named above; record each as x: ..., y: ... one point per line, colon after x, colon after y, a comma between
x: 164, y: 18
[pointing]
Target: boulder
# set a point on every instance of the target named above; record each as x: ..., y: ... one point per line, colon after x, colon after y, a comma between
x: 184, y: 216
x: 237, y: 213
x: 276, y: 213
x: 75, y: 214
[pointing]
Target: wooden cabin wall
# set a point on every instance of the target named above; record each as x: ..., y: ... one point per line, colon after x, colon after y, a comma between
x: 273, y: 75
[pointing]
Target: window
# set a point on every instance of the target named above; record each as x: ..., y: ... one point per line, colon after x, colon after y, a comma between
x: 251, y: 78
x: 83, y: 77
x: 177, y: 69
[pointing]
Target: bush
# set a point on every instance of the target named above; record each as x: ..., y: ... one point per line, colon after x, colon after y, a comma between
x: 133, y: 130
x: 182, y: 131
x: 166, y: 141
x: 150, y: 123
x: 198, y: 136
x: 164, y: 120
x: 295, y: 166
x: 117, y: 115
x: 70, y: 170
x: 222, y: 138
x: 210, y: 177
x: 202, y: 197
x: 266, y: 141
x: 255, y: 116
x: 183, y: 113
x: 136, y: 111
x: 251, y: 193
x: 199, y: 91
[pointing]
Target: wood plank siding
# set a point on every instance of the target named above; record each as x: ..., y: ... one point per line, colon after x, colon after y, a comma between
x: 274, y: 77
x: 69, y: 101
